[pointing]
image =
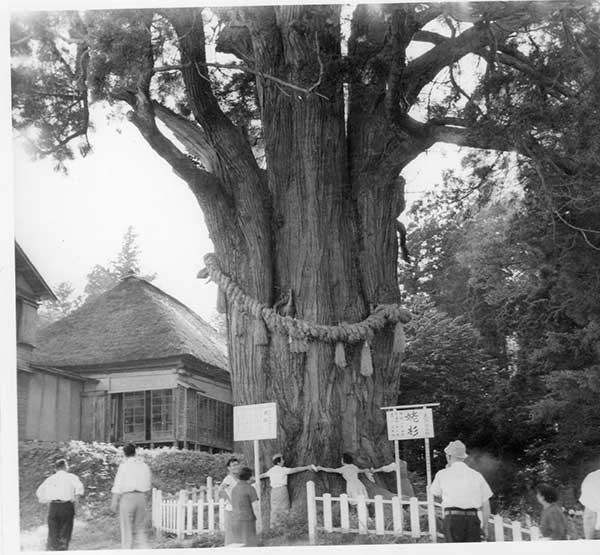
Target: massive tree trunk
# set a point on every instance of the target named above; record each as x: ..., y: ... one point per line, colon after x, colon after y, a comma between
x: 318, y: 227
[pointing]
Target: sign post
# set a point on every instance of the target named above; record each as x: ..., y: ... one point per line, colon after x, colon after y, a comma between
x: 413, y: 422
x: 253, y: 423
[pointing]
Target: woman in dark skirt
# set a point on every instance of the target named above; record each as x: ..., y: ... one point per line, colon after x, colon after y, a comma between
x: 244, y: 501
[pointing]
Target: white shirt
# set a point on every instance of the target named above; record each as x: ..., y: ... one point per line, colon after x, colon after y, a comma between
x: 132, y: 475
x: 61, y: 486
x: 228, y: 484
x: 278, y: 475
x: 590, y: 494
x: 460, y: 486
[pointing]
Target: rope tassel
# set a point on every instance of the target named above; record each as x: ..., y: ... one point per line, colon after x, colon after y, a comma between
x: 399, y: 339
x: 261, y: 336
x: 340, y: 355
x: 366, y: 363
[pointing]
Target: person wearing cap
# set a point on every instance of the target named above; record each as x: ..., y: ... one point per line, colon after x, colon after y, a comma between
x: 278, y: 475
x: 60, y: 491
x: 464, y: 492
x: 590, y: 499
x: 132, y: 483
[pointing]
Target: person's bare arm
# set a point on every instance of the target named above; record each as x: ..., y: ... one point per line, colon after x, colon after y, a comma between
x: 485, y: 517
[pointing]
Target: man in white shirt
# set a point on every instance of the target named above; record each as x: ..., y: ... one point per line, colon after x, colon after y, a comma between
x: 60, y: 490
x: 132, y: 483
x: 590, y: 499
x: 280, y: 499
x: 224, y: 492
x: 464, y: 491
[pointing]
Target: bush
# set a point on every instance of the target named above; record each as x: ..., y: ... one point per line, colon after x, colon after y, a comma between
x: 96, y: 465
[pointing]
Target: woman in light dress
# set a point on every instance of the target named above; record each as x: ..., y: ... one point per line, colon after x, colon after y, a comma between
x: 350, y: 472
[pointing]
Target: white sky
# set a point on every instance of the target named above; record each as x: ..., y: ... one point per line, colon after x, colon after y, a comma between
x: 68, y: 223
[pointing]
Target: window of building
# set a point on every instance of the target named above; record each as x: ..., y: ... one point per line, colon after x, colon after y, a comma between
x: 162, y: 412
x: 134, y: 415
x: 214, y: 420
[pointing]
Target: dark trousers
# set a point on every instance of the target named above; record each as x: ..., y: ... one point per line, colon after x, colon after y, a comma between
x: 462, y: 528
x: 60, y: 525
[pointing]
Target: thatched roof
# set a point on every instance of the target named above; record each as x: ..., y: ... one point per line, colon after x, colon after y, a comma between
x: 133, y: 321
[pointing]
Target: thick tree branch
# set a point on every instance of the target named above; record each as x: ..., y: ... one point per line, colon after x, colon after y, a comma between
x: 190, y: 134
x: 429, y: 36
x: 421, y: 71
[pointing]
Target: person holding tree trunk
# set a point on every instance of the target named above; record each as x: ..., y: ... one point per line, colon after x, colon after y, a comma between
x: 60, y: 491
x: 350, y: 472
x: 280, y: 499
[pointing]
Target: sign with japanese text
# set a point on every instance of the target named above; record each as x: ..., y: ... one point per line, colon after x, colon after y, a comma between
x: 414, y: 423
x: 251, y: 422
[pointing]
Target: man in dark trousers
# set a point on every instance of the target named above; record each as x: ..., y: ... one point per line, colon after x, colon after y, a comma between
x: 464, y: 492
x: 60, y: 490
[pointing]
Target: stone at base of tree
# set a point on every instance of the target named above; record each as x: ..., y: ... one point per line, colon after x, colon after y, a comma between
x: 261, y: 336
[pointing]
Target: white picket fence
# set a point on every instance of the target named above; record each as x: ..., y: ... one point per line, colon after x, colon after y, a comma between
x: 187, y: 512
x: 379, y: 525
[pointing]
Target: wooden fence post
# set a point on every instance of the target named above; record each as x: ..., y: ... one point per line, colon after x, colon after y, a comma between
x: 159, y: 512
x: 516, y: 531
x: 535, y: 533
x: 209, y: 488
x: 498, y: 528
x: 431, y: 516
x: 180, y: 518
x: 311, y: 507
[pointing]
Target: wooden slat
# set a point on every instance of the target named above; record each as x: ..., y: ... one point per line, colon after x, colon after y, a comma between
x: 211, y: 514
x: 189, y: 517
x: 327, y: 516
x: 201, y: 505
x: 397, y: 514
x: 344, y: 513
x: 415, y: 525
x: 362, y: 514
x: 379, y: 519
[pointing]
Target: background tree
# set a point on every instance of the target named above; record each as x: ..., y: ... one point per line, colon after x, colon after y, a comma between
x: 337, y: 121
x: 102, y: 278
x: 50, y: 311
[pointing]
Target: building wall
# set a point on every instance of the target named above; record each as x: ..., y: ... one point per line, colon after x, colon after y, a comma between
x: 48, y: 406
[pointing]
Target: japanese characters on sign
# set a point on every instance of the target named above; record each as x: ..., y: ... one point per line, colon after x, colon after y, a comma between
x: 409, y: 424
x: 252, y: 422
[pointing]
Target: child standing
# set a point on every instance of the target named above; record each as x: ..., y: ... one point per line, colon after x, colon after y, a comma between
x: 553, y: 523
